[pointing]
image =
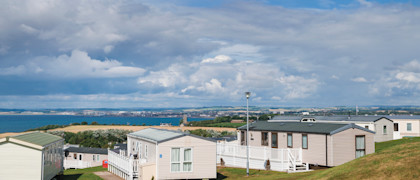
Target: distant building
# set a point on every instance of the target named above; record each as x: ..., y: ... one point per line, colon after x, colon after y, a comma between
x: 84, y: 157
x: 406, y: 125
x: 33, y: 155
x: 237, y: 121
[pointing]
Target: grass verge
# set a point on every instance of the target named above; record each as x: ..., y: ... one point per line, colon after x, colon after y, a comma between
x: 82, y: 174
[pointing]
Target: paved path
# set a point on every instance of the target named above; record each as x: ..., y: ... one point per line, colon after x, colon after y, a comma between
x: 107, y: 175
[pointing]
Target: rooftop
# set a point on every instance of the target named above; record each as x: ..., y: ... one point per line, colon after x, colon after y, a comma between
x: 87, y: 150
x: 304, y: 127
x: 331, y: 118
x: 37, y: 138
x: 160, y: 135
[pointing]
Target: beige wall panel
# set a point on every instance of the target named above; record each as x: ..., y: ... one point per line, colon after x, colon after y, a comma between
x: 344, y: 148
x: 18, y: 162
x: 380, y: 135
x: 204, y: 158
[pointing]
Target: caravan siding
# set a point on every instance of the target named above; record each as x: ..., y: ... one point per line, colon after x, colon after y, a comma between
x: 380, y: 135
x: 19, y: 162
x: 344, y: 145
x: 203, y: 158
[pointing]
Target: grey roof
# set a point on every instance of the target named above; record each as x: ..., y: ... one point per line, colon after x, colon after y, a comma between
x: 38, y: 138
x: 87, y: 150
x: 404, y: 117
x: 161, y: 135
x: 332, y: 118
x: 302, y: 127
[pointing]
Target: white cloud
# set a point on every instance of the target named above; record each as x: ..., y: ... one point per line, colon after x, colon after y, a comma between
x: 108, y: 49
x: 217, y: 59
x: 359, y: 79
x: 78, y: 65
x: 230, y: 80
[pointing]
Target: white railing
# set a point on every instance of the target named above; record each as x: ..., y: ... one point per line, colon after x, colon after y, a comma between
x: 280, y: 159
x: 77, y: 164
x: 127, y: 165
x: 119, y: 161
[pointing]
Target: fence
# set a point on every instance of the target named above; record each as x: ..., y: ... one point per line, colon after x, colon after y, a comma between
x: 280, y: 159
x: 76, y: 164
x: 123, y: 166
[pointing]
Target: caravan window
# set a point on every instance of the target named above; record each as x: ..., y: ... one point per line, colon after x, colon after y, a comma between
x: 360, y: 146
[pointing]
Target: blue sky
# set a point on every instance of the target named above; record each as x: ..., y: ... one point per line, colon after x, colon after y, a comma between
x: 187, y: 53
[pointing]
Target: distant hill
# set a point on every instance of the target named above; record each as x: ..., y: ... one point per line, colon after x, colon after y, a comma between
x: 397, y: 159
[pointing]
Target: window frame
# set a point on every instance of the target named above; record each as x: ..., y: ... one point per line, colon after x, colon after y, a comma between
x: 384, y: 129
x: 181, y: 160
x: 411, y: 127
x: 264, y: 143
x: 396, y: 127
x: 364, y: 145
x: 277, y: 140
x: 291, y: 141
x: 307, y: 145
x: 243, y: 138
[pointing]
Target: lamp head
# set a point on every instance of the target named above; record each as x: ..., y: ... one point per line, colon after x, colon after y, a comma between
x: 247, y: 94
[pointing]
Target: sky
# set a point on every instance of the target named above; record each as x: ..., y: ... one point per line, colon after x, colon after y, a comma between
x: 189, y: 53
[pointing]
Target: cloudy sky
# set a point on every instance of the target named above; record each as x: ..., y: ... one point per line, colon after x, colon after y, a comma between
x: 189, y: 53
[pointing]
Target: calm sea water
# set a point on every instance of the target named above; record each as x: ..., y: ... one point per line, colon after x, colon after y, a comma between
x: 19, y: 123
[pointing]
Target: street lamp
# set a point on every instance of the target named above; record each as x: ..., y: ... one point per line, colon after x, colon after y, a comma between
x: 247, y: 94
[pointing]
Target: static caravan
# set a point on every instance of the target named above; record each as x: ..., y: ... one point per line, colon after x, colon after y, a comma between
x: 406, y: 125
x: 33, y: 155
x: 383, y: 126
x: 325, y: 144
x: 84, y: 157
x: 164, y: 154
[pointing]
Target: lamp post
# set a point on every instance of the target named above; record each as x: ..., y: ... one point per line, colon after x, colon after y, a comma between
x: 247, y: 94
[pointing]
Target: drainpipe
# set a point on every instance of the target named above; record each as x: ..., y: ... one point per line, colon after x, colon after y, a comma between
x: 326, y: 150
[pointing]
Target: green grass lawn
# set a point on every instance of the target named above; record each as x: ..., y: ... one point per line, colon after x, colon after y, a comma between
x: 82, y: 174
x: 397, y: 159
x: 227, y: 124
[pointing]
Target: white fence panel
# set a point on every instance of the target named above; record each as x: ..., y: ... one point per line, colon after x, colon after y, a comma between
x: 280, y: 159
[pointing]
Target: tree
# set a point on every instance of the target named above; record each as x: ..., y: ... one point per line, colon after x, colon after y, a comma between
x: 94, y: 123
x: 84, y: 123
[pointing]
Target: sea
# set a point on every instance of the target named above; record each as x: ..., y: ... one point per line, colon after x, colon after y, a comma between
x: 20, y: 123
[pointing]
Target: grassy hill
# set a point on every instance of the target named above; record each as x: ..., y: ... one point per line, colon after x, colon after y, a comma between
x: 397, y: 159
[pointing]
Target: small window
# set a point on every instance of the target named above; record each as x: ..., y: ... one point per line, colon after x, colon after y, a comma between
x: 97, y: 157
x: 175, y: 160
x: 384, y: 130
x: 146, y: 150
x: 360, y: 146
x: 395, y: 126
x: 367, y: 127
x: 274, y: 143
x: 75, y: 156
x: 304, y: 141
x: 289, y: 140
x: 243, y: 142
x: 94, y: 159
x: 264, y: 138
x: 80, y: 157
x: 187, y: 164
x: 408, y: 126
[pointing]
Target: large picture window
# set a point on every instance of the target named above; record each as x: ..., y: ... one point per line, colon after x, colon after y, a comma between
x: 289, y: 140
x: 304, y: 141
x: 264, y: 138
x: 360, y: 146
x: 181, y: 160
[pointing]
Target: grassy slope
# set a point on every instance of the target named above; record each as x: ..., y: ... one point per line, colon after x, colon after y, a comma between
x: 240, y: 173
x: 83, y: 174
x: 398, y: 159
